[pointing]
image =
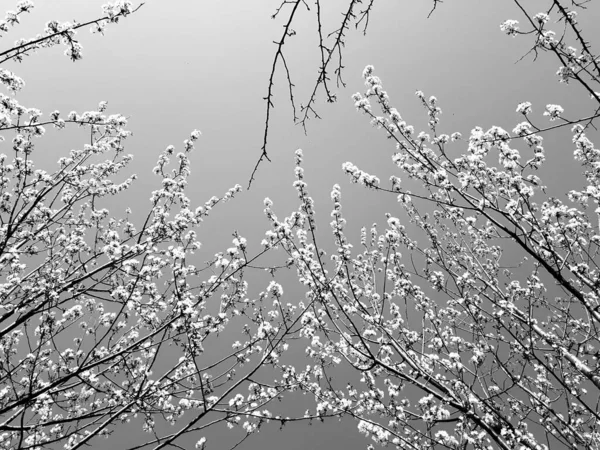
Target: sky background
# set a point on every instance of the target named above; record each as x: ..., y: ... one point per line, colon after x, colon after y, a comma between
x: 175, y: 66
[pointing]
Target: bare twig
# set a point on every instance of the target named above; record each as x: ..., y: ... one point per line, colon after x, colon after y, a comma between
x: 287, y: 31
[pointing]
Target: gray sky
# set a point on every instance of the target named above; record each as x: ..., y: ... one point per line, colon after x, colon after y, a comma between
x: 179, y: 65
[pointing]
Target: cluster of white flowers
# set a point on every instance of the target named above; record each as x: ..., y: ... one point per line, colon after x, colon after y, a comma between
x: 359, y: 176
x: 388, y: 328
x: 455, y: 345
x: 510, y: 27
x: 553, y: 111
x: 104, y: 298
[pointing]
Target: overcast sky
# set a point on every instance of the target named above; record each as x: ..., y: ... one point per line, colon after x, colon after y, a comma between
x: 179, y: 65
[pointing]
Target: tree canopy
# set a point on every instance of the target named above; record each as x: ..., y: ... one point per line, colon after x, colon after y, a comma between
x: 467, y: 321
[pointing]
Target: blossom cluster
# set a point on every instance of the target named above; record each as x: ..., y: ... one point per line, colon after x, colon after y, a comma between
x: 94, y: 301
x: 456, y: 346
